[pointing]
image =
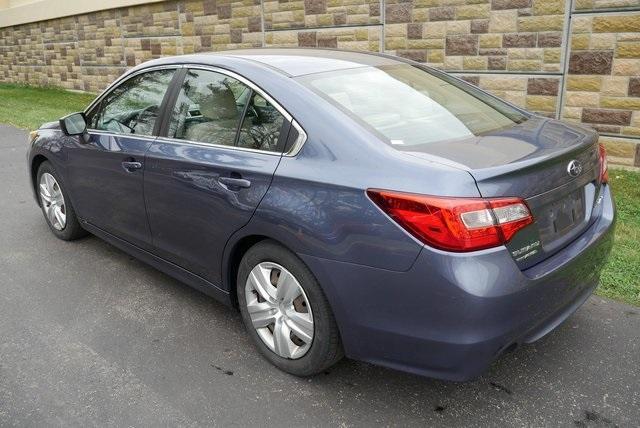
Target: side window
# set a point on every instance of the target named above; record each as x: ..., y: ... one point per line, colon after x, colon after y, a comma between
x: 209, y: 108
x: 261, y: 125
x: 133, y: 107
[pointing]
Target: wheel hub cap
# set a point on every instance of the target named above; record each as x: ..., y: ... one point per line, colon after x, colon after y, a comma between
x: 53, y: 201
x: 279, y: 310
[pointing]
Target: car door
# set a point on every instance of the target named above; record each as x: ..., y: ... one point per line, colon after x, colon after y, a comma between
x: 211, y: 167
x: 106, y: 172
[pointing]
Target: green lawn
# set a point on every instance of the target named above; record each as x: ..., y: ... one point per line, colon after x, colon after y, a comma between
x: 28, y: 107
x: 621, y: 276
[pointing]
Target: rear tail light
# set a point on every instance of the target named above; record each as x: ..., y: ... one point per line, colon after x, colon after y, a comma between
x: 604, y: 167
x: 455, y: 224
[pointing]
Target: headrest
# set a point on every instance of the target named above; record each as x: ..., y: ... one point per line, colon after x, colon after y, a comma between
x: 220, y: 104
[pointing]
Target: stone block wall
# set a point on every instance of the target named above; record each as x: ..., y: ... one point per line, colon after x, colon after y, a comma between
x: 573, y: 59
x: 602, y: 85
x: 501, y: 35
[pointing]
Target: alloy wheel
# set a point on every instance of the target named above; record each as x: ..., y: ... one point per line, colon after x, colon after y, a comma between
x: 279, y: 310
x: 53, y: 201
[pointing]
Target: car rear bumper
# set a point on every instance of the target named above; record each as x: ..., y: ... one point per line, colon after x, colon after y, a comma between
x: 451, y: 315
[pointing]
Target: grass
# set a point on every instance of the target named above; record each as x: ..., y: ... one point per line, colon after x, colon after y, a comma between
x: 28, y: 107
x: 621, y: 276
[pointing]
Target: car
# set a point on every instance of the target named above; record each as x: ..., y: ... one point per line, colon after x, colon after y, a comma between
x: 347, y: 203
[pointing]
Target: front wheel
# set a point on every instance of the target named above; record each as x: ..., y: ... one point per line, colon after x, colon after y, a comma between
x: 285, y: 311
x: 56, y: 206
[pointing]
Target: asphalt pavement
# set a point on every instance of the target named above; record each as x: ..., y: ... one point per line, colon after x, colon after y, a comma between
x: 89, y: 336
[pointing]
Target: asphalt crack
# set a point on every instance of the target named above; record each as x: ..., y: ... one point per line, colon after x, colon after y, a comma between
x: 220, y: 369
x: 500, y: 387
x: 594, y: 418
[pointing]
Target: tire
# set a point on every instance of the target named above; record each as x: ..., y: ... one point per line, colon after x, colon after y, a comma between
x: 325, y: 348
x: 71, y: 228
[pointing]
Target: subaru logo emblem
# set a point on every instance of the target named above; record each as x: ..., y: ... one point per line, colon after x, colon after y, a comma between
x: 574, y: 168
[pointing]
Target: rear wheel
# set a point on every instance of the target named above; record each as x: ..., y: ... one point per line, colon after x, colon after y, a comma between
x: 285, y: 311
x: 56, y: 207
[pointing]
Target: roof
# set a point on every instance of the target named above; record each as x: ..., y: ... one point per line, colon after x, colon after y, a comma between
x: 298, y: 62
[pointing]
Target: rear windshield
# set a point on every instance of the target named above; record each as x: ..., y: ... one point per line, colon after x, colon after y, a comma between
x: 408, y: 106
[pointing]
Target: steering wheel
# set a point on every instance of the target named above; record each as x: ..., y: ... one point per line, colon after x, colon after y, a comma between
x: 252, y: 112
x: 145, y: 113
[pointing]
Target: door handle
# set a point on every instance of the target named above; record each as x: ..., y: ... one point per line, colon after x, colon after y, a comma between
x: 231, y: 182
x: 131, y: 166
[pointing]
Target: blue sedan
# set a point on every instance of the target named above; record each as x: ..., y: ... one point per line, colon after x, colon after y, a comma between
x: 346, y: 203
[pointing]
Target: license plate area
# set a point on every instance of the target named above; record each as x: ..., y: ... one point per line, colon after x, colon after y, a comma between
x: 560, y: 217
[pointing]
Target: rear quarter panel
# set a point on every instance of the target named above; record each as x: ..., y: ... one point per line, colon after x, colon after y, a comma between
x: 317, y: 202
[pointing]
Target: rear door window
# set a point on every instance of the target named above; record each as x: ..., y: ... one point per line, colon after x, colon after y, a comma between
x: 214, y: 108
x: 209, y: 108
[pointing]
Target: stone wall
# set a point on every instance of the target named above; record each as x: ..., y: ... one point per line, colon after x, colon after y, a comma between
x: 573, y: 59
x: 602, y: 85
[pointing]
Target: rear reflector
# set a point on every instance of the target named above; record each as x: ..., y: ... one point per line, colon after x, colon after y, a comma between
x: 455, y: 224
x: 604, y: 167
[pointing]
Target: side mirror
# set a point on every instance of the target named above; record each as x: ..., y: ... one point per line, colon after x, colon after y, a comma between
x: 74, y: 124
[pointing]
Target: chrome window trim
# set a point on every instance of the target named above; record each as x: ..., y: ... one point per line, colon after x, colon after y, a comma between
x: 214, y: 145
x: 150, y: 138
x: 293, y: 151
x: 297, y: 145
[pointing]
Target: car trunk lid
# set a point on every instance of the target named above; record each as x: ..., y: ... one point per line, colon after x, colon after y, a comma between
x: 553, y: 166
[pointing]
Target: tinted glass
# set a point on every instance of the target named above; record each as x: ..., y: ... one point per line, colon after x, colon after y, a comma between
x: 209, y: 108
x: 261, y: 125
x: 133, y: 107
x: 408, y: 106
